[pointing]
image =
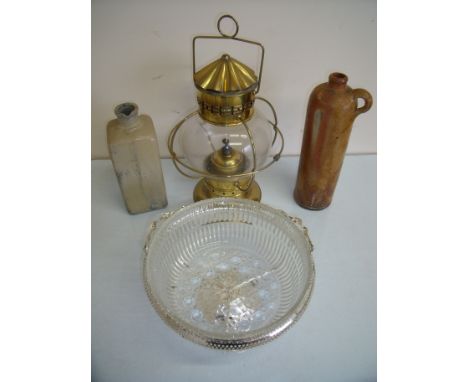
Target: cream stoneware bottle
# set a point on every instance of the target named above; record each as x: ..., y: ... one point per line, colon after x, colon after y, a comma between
x: 133, y: 148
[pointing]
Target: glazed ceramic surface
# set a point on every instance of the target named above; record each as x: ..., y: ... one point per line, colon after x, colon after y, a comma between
x: 332, y: 109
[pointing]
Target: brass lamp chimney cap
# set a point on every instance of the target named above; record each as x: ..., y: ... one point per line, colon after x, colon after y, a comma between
x: 226, y: 76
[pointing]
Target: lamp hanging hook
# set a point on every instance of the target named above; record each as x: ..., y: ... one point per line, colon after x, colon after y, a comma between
x: 235, y: 23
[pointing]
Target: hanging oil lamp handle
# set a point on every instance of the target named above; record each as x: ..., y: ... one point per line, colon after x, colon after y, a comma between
x: 224, y: 35
x: 276, y: 130
x: 365, y: 95
x: 170, y: 145
x: 276, y: 157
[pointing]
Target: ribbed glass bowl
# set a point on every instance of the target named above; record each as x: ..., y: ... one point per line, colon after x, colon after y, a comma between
x: 228, y: 273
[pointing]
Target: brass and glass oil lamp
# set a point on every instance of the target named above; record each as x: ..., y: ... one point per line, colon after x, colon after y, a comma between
x: 227, y: 140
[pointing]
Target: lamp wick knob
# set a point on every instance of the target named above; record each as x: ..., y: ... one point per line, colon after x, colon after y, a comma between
x: 227, y: 150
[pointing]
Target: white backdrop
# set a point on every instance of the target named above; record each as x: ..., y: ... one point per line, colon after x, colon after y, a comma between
x: 141, y: 52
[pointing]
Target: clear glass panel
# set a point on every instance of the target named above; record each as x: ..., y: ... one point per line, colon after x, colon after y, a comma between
x: 199, y: 138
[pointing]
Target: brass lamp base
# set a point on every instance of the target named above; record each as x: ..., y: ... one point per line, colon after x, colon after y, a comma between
x: 209, y: 188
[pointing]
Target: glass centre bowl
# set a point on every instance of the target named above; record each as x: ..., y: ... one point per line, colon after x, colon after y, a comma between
x: 229, y: 273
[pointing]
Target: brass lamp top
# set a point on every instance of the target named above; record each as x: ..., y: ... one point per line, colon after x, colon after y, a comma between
x: 226, y: 76
x: 226, y: 160
x: 226, y: 91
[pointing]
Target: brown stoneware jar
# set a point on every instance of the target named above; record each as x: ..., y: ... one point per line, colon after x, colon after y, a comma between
x: 331, y: 111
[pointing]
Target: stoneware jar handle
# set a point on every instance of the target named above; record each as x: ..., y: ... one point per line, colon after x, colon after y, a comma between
x: 365, y: 95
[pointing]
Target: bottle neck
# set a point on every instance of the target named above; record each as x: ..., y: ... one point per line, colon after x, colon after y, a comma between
x: 127, y: 115
x: 338, y: 81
